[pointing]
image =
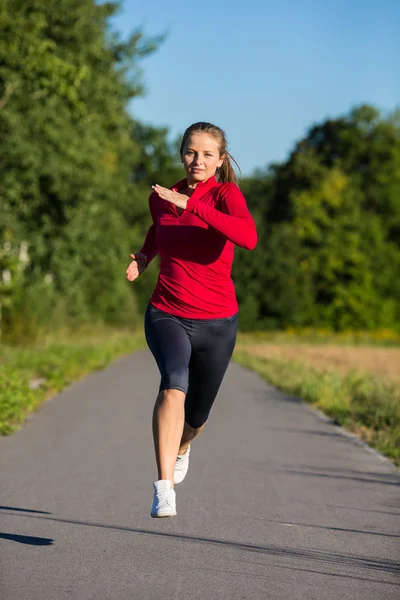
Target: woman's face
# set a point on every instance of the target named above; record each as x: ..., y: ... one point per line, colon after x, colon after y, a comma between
x: 200, y: 157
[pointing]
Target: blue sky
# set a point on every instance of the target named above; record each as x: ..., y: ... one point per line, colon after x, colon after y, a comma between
x: 264, y: 71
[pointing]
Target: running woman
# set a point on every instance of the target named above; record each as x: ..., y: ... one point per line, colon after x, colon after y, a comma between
x: 192, y: 317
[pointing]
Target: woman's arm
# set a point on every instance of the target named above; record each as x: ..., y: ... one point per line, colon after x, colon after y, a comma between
x: 234, y: 221
x: 149, y: 248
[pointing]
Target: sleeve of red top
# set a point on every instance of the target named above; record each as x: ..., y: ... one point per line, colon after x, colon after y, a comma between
x: 149, y: 247
x: 234, y: 221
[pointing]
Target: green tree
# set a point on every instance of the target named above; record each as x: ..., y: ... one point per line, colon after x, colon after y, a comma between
x: 330, y: 218
x: 70, y: 151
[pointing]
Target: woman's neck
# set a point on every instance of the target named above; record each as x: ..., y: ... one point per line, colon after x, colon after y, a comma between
x: 193, y: 184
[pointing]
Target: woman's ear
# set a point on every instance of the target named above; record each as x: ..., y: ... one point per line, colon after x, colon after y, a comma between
x: 221, y: 160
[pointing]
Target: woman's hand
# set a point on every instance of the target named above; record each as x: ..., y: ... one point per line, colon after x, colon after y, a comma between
x: 180, y: 200
x: 137, y: 266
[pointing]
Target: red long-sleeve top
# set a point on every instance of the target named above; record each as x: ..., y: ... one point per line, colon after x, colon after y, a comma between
x: 197, y: 249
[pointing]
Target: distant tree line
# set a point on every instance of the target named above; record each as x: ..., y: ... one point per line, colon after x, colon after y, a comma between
x: 76, y: 170
x: 329, y: 223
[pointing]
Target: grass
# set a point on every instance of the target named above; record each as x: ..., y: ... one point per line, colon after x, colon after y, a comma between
x: 360, y: 394
x: 320, y: 336
x: 382, y: 363
x: 54, y: 365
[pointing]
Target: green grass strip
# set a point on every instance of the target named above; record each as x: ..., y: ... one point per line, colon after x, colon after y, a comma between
x: 58, y: 364
x: 362, y: 404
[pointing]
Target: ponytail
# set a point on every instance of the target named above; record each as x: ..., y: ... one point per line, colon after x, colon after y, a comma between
x: 225, y: 173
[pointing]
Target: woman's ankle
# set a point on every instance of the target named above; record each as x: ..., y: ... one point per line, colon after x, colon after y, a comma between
x: 183, y: 449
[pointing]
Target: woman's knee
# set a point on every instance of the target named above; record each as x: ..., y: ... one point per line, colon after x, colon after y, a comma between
x: 171, y: 395
x: 196, y: 419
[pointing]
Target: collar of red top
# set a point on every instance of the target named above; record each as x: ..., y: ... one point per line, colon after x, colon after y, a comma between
x: 204, y: 185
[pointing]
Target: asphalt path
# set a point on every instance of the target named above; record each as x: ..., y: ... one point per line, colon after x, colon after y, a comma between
x: 278, y: 502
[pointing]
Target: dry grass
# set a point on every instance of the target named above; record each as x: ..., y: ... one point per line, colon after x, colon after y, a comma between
x: 357, y: 385
x: 380, y: 362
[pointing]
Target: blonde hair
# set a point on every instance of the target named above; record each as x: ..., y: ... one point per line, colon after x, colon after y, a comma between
x: 225, y: 172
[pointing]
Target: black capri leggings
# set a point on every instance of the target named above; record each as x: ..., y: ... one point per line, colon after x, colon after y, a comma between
x: 192, y: 356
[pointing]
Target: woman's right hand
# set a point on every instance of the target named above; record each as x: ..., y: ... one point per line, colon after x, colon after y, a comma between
x: 137, y: 266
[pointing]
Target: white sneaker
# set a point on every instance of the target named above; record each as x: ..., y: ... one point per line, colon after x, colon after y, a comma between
x: 181, y: 466
x: 164, y: 503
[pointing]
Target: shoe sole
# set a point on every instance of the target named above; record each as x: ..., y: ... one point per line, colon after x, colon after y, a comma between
x: 163, y: 516
x: 180, y: 480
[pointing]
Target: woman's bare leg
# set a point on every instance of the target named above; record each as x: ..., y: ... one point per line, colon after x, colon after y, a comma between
x: 168, y: 425
x: 189, y: 433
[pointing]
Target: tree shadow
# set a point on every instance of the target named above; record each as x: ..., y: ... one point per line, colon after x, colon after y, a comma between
x: 313, y: 526
x: 42, y: 512
x: 393, y: 476
x: 314, y: 556
x: 252, y: 575
x: 356, y: 508
x: 384, y: 479
x: 310, y: 432
x: 27, y: 539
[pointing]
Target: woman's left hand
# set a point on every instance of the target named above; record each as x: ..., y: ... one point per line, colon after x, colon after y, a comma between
x: 180, y: 200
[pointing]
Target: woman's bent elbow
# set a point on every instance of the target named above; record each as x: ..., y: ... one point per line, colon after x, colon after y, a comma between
x: 252, y: 242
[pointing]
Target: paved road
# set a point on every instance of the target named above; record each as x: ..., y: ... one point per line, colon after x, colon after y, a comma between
x: 277, y: 504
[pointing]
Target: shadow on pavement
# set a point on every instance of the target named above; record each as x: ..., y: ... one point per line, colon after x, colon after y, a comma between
x: 383, y: 479
x: 310, y: 432
x: 344, y: 529
x: 315, y: 556
x: 291, y: 568
x: 356, y: 508
x: 42, y: 512
x: 27, y: 539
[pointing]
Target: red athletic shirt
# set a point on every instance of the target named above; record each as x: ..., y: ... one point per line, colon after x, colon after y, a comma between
x: 197, y: 248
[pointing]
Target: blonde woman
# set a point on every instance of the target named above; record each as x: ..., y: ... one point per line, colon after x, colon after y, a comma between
x: 192, y: 317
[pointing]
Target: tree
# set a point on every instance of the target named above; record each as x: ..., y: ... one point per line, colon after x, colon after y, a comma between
x: 70, y: 150
x: 330, y: 219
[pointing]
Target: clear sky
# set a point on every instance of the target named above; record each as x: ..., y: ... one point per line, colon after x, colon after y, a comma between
x: 265, y: 71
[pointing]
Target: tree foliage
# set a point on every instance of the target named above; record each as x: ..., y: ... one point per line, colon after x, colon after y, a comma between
x: 74, y: 184
x: 329, y: 253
